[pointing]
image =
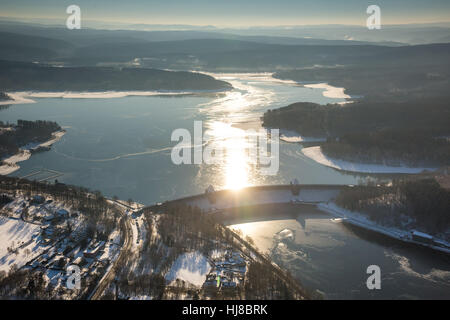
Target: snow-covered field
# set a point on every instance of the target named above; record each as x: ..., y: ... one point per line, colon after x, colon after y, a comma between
x: 316, y: 154
x: 17, y: 234
x: 191, y: 267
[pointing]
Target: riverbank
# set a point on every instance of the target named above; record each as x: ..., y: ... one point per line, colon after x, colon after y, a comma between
x: 10, y: 163
x: 316, y: 154
x: 360, y: 220
x: 330, y: 91
x: 295, y: 137
x: 22, y: 97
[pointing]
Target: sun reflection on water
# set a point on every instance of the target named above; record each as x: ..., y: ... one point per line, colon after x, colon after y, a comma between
x: 235, y: 164
x: 236, y: 171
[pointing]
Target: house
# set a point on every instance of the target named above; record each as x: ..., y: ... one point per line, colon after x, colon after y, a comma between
x: 228, y: 285
x: 80, y: 261
x: 49, y: 217
x: 92, y: 253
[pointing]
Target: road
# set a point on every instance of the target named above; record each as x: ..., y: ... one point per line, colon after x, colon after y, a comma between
x: 110, y: 274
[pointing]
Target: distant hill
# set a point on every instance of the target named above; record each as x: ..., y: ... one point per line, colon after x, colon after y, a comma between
x: 88, y: 36
x: 208, y: 49
x: 28, y: 76
x: 29, y: 47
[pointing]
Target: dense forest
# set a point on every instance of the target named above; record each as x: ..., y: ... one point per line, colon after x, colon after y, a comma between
x: 30, y: 76
x: 12, y: 137
x: 311, y: 119
x: 422, y: 204
x: 410, y: 132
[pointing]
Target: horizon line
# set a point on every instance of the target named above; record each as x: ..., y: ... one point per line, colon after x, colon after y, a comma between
x: 122, y: 23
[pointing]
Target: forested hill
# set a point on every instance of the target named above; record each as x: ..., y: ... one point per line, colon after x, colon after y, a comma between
x: 311, y: 119
x: 28, y: 76
x: 413, y: 133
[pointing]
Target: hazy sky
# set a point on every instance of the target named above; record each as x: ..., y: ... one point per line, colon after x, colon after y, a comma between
x: 233, y: 12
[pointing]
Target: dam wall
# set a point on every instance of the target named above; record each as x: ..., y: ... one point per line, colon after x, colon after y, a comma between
x: 250, y: 196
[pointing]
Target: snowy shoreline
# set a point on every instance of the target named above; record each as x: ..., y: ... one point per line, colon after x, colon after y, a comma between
x: 361, y: 221
x: 330, y: 91
x: 293, y: 136
x: 25, y: 152
x: 22, y: 97
x: 316, y: 154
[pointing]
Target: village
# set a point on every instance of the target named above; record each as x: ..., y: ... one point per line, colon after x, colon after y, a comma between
x: 41, y: 234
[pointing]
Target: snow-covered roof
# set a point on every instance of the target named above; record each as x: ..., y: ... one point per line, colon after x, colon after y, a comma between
x: 421, y: 234
x: 62, y: 212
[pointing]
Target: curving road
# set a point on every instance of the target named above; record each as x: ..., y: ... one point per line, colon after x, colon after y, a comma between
x: 110, y: 274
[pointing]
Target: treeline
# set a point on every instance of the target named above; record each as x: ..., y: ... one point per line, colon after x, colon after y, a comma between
x: 262, y: 283
x: 421, y: 204
x: 12, y: 137
x: 29, y: 76
x: 37, y: 125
